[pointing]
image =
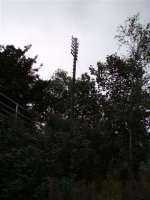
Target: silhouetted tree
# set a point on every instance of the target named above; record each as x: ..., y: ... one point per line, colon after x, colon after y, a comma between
x: 124, y: 121
x: 17, y: 75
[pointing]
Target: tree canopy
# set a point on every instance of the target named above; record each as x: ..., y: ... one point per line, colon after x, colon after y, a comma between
x: 17, y: 75
x: 108, y: 136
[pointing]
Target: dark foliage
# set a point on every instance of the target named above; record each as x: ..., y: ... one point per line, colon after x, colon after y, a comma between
x: 108, y: 136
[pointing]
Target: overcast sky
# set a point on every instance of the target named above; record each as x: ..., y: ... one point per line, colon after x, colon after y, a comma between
x: 49, y: 24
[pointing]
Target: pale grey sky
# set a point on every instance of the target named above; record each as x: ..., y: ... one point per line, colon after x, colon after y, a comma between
x: 49, y: 24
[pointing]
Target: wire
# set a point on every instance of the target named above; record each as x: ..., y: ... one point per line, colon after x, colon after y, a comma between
x: 7, y: 106
x: 2, y: 116
x: 8, y: 98
x: 8, y: 113
x: 11, y: 100
x: 5, y: 111
x: 16, y: 104
x: 14, y: 110
x: 11, y: 111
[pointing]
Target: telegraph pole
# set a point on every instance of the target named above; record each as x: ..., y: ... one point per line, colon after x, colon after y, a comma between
x: 74, y: 52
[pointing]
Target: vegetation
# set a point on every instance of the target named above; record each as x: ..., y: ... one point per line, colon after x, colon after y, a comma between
x: 103, y: 152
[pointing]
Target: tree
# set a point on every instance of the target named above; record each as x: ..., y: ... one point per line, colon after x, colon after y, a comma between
x: 52, y: 96
x: 122, y: 83
x: 17, y: 76
x: 136, y: 38
x: 87, y: 104
x: 22, y: 162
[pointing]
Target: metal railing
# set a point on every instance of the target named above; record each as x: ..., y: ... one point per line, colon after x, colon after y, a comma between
x: 9, y: 107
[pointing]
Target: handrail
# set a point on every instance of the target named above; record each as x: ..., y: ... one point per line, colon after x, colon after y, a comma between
x: 9, y: 109
x: 11, y: 100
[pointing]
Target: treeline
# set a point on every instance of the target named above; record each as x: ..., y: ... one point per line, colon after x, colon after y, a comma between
x: 101, y: 153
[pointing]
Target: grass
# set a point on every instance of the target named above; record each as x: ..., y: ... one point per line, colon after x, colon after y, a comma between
x: 111, y: 189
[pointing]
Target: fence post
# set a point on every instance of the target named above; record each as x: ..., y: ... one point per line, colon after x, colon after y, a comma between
x: 17, y: 106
